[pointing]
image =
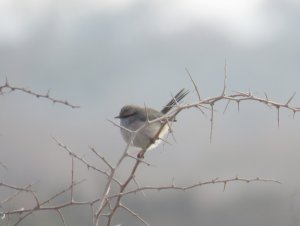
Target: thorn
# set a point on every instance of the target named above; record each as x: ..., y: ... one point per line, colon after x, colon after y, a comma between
x: 225, y: 183
x: 214, y: 180
x: 226, y: 106
x: 225, y: 78
x: 287, y: 103
x: 250, y: 93
x: 267, y: 98
x: 194, y: 84
x: 211, y: 122
x: 278, y: 115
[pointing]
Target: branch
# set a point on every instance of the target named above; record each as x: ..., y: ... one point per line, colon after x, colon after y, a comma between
x: 199, y: 184
x: 88, y: 165
x: 107, y: 203
x: 11, y: 88
x: 134, y: 214
x: 2, y: 184
x: 194, y: 84
x: 40, y: 205
x: 209, y: 102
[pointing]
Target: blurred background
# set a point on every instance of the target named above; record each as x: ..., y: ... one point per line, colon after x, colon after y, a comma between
x: 102, y: 55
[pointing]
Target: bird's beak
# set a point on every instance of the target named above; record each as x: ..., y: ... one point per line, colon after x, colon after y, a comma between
x: 117, y: 116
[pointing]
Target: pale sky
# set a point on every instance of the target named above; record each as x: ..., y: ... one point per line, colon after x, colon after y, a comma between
x: 102, y: 55
x: 241, y: 20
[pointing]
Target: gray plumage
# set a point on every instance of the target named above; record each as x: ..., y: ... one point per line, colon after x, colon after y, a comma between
x: 133, y: 117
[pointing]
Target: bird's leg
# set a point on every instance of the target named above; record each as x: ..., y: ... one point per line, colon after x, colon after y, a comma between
x: 141, y: 154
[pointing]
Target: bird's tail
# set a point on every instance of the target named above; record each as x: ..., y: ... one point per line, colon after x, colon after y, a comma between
x: 178, y: 97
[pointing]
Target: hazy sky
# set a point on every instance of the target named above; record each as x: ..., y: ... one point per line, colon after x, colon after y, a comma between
x: 102, y: 55
x: 243, y: 21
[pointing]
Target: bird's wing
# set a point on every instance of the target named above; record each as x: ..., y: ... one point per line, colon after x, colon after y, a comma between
x: 152, y: 114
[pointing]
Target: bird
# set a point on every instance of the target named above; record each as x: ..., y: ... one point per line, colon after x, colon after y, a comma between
x: 133, y: 117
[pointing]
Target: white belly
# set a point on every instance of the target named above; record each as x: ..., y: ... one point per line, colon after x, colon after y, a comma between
x: 145, y: 136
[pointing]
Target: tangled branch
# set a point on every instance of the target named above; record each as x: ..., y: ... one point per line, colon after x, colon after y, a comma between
x: 105, y: 206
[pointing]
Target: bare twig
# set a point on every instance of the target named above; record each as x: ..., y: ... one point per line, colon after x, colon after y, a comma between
x: 225, y: 109
x: 289, y: 100
x: 89, y: 166
x: 11, y: 88
x: 134, y: 214
x: 225, y: 79
x: 211, y: 122
x: 61, y: 217
x: 72, y: 179
x: 107, y: 203
x: 199, y: 184
x: 2, y: 184
x: 101, y: 157
x: 194, y: 84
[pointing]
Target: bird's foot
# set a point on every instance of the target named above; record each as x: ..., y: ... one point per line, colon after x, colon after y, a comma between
x: 141, y: 154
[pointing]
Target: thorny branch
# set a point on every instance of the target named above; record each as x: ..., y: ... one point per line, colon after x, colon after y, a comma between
x: 105, y: 206
x: 7, y: 88
x: 237, y: 97
x: 199, y: 184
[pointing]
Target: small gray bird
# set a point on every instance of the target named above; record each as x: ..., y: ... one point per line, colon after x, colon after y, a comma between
x: 134, y: 117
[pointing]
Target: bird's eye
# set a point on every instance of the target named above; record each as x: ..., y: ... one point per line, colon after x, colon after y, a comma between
x: 128, y: 113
